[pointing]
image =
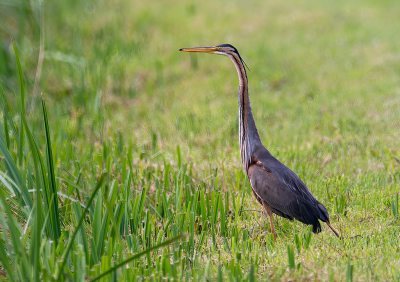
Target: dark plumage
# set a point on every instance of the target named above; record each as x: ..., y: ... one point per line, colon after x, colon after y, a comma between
x: 278, y: 189
x: 272, y: 181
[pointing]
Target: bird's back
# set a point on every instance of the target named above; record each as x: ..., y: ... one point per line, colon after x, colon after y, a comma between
x: 283, y: 190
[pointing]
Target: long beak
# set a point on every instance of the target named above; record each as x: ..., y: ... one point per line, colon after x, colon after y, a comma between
x: 200, y: 49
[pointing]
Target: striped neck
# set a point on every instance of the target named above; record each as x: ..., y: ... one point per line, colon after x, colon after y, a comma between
x: 249, y: 138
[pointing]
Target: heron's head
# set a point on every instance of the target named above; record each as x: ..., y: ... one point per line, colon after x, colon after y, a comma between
x: 223, y: 49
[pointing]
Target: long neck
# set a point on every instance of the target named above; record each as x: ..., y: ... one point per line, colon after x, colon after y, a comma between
x: 249, y: 138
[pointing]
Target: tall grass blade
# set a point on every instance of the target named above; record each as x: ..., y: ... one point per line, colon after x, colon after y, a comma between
x: 55, y: 217
x: 307, y: 236
x: 178, y: 153
x: 220, y: 277
x: 291, y: 261
x: 4, y: 261
x: 37, y: 226
x: 102, y: 234
x: 16, y: 238
x: 22, y: 106
x: 252, y: 276
x: 297, y: 241
x: 5, y: 109
x: 395, y: 206
x: 349, y: 272
x: 15, y: 175
x: 83, y: 241
x: 213, y: 228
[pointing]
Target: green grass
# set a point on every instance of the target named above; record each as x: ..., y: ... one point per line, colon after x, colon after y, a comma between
x: 126, y: 144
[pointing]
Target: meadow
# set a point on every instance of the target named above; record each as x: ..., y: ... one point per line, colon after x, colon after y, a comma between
x: 119, y: 155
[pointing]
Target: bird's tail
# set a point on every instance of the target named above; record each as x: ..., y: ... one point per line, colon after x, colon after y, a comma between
x: 333, y: 229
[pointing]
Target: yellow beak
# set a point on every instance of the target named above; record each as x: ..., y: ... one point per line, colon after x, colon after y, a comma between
x: 200, y: 49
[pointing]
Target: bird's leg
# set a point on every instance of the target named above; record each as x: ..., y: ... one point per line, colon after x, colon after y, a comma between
x: 333, y: 229
x: 269, y: 212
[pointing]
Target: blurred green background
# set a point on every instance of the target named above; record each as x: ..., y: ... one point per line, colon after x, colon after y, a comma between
x: 324, y: 84
x: 320, y: 72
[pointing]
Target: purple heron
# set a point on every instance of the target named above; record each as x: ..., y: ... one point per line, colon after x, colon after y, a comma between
x: 278, y: 189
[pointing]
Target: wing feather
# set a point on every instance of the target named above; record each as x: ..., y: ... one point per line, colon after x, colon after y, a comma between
x: 292, y: 182
x: 281, y: 199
